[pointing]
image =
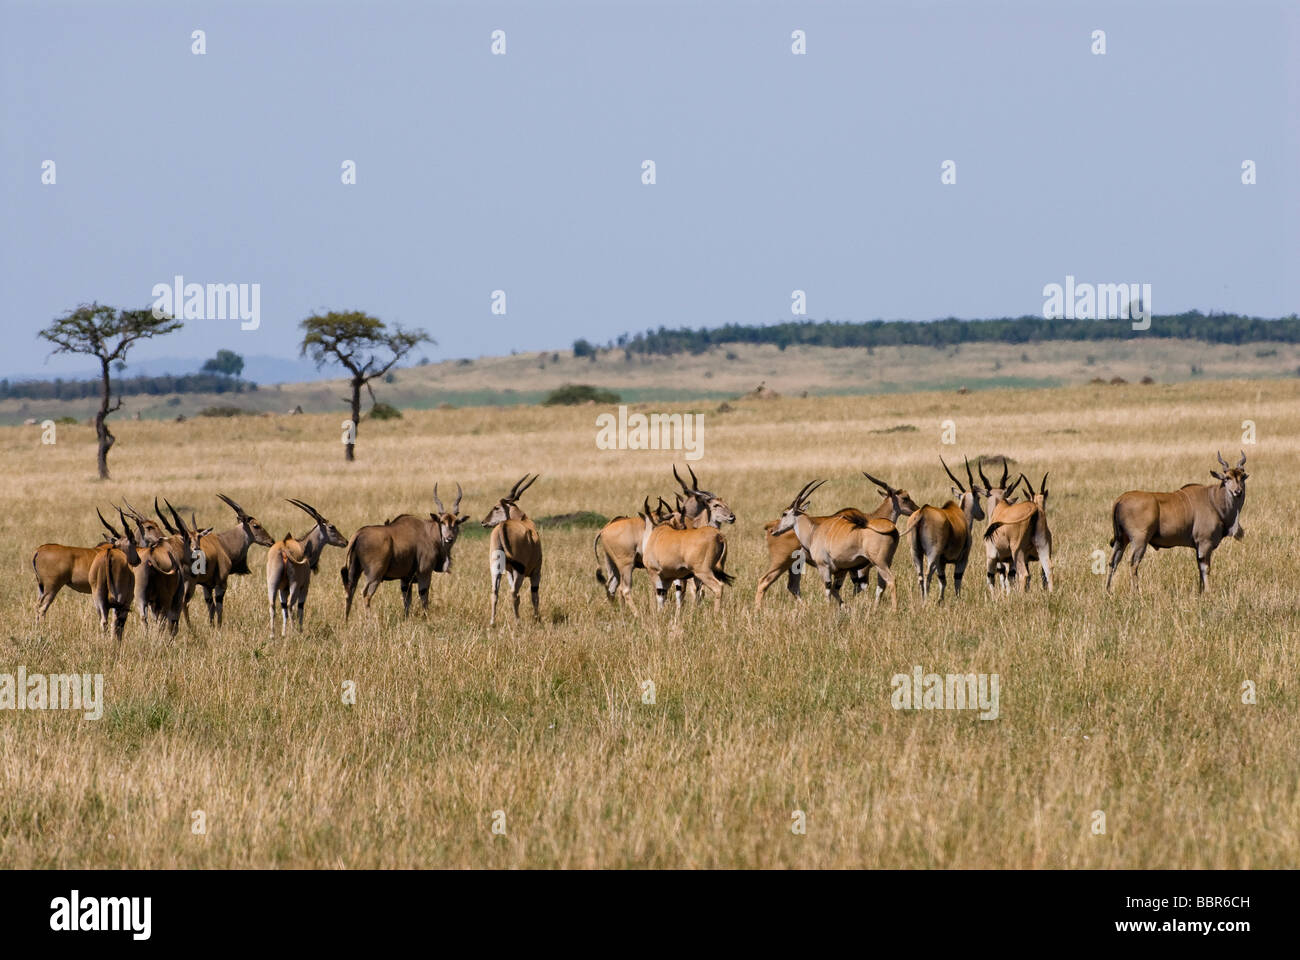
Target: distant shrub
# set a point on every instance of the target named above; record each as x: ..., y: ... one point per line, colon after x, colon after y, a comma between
x: 583, y: 348
x: 223, y: 410
x: 572, y: 394
x: 67, y: 420
x: 390, y: 377
x: 900, y: 428
x: 385, y: 411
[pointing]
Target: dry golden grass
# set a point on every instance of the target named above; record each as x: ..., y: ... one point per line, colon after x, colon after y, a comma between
x: 1129, y: 704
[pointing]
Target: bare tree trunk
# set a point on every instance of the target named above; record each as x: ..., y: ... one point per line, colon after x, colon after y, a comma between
x: 349, y: 450
x: 104, y: 435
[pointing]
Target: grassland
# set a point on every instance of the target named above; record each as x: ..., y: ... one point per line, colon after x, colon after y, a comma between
x: 725, y: 373
x: 1130, y: 704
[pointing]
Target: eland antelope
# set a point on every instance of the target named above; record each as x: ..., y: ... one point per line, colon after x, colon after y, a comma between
x: 222, y: 555
x: 618, y: 551
x: 1018, y: 532
x: 166, y: 556
x: 1031, y: 537
x: 290, y: 563
x: 112, y: 582
x: 941, y: 536
x: 514, y: 548
x: 693, y: 553
x: 620, y: 539
x: 1197, y: 515
x: 408, y: 549
x: 57, y: 566
x: 843, y: 543
x: 785, y: 553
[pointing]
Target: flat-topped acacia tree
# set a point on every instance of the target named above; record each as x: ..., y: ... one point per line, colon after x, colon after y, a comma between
x: 105, y: 333
x: 360, y: 343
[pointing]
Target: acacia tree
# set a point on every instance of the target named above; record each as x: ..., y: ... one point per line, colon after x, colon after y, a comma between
x: 105, y: 333
x: 359, y: 342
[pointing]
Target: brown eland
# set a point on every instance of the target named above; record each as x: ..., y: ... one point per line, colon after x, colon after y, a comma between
x: 112, y: 582
x: 57, y: 566
x: 1006, y: 566
x: 620, y: 539
x: 941, y: 536
x: 514, y: 549
x: 618, y: 551
x: 408, y: 549
x: 673, y: 555
x: 290, y: 563
x: 166, y: 555
x: 1016, y: 535
x: 785, y: 555
x: 221, y: 556
x: 843, y: 543
x: 1198, y: 515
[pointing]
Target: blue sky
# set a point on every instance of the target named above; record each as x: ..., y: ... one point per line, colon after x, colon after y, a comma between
x: 522, y: 172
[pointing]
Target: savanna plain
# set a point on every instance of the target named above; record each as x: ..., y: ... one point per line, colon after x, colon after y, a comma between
x: 1129, y: 704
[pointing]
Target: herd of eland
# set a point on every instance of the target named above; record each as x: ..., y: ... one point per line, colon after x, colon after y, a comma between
x: 154, y: 566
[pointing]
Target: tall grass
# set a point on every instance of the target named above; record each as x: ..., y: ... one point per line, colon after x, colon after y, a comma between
x: 1130, y: 705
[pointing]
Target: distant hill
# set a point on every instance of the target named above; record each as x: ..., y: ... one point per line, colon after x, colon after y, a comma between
x: 259, y: 368
x: 729, y: 372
